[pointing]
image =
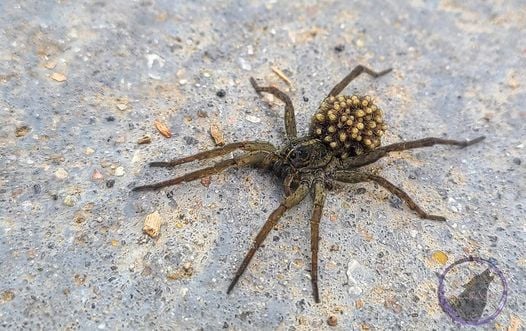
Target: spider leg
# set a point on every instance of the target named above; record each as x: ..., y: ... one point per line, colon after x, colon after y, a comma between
x: 376, y: 154
x: 286, y: 184
x: 290, y: 118
x: 290, y: 201
x: 357, y: 71
x: 262, y: 159
x: 356, y: 177
x: 248, y: 146
x: 319, y: 202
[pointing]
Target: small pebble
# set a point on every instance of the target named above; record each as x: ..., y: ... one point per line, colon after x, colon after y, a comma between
x: 57, y: 158
x: 440, y: 257
x: 339, y: 48
x: 244, y: 64
x: 69, y: 200
x: 61, y: 173
x: 354, y: 268
x: 146, y: 139
x: 37, y: 189
x: 359, y: 304
x: 221, y: 93
x: 184, y: 272
x: 50, y: 65
x: 253, y: 119
x: 152, y: 224
x: 119, y: 172
x: 22, y: 131
x: 89, y: 151
x: 361, y: 190
x: 517, y: 161
x: 360, y: 43
x: 190, y: 140
x: 80, y: 217
x: 205, y: 181
x: 7, y: 296
x: 97, y: 175
x: 162, y: 128
x: 391, y: 303
x: 110, y: 183
x: 217, y: 134
x: 152, y: 58
x: 110, y: 118
x: 105, y: 163
x: 58, y: 77
x: 332, y: 320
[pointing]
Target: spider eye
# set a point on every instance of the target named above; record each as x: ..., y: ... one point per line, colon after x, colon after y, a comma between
x: 299, y: 154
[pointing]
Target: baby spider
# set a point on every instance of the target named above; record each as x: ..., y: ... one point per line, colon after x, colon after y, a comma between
x: 344, y: 136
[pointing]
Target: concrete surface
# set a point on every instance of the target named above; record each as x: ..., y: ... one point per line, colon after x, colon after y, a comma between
x: 82, y: 81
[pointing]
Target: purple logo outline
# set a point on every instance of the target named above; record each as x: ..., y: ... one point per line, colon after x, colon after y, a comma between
x: 448, y: 309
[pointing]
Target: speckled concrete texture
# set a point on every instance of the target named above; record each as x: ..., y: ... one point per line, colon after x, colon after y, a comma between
x: 82, y: 81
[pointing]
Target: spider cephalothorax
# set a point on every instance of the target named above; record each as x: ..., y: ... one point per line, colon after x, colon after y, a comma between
x: 344, y: 136
x: 307, y: 153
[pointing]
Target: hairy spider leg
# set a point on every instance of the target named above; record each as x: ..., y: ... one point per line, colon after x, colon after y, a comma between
x: 289, y: 202
x: 376, y: 154
x: 356, y: 177
x: 319, y: 202
x: 259, y: 158
x: 287, y: 182
x: 247, y: 146
x: 357, y: 71
x: 290, y: 118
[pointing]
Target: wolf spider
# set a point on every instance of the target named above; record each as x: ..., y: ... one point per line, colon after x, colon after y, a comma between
x: 311, y: 163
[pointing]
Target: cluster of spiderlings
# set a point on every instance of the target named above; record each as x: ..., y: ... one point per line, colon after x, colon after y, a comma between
x: 349, y: 125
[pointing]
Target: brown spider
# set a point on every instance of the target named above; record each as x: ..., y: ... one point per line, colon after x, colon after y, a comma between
x: 344, y: 136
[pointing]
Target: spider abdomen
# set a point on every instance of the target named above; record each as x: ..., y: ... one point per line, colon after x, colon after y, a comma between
x: 349, y: 125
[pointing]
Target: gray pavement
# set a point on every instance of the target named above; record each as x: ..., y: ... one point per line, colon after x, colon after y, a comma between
x: 82, y: 81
